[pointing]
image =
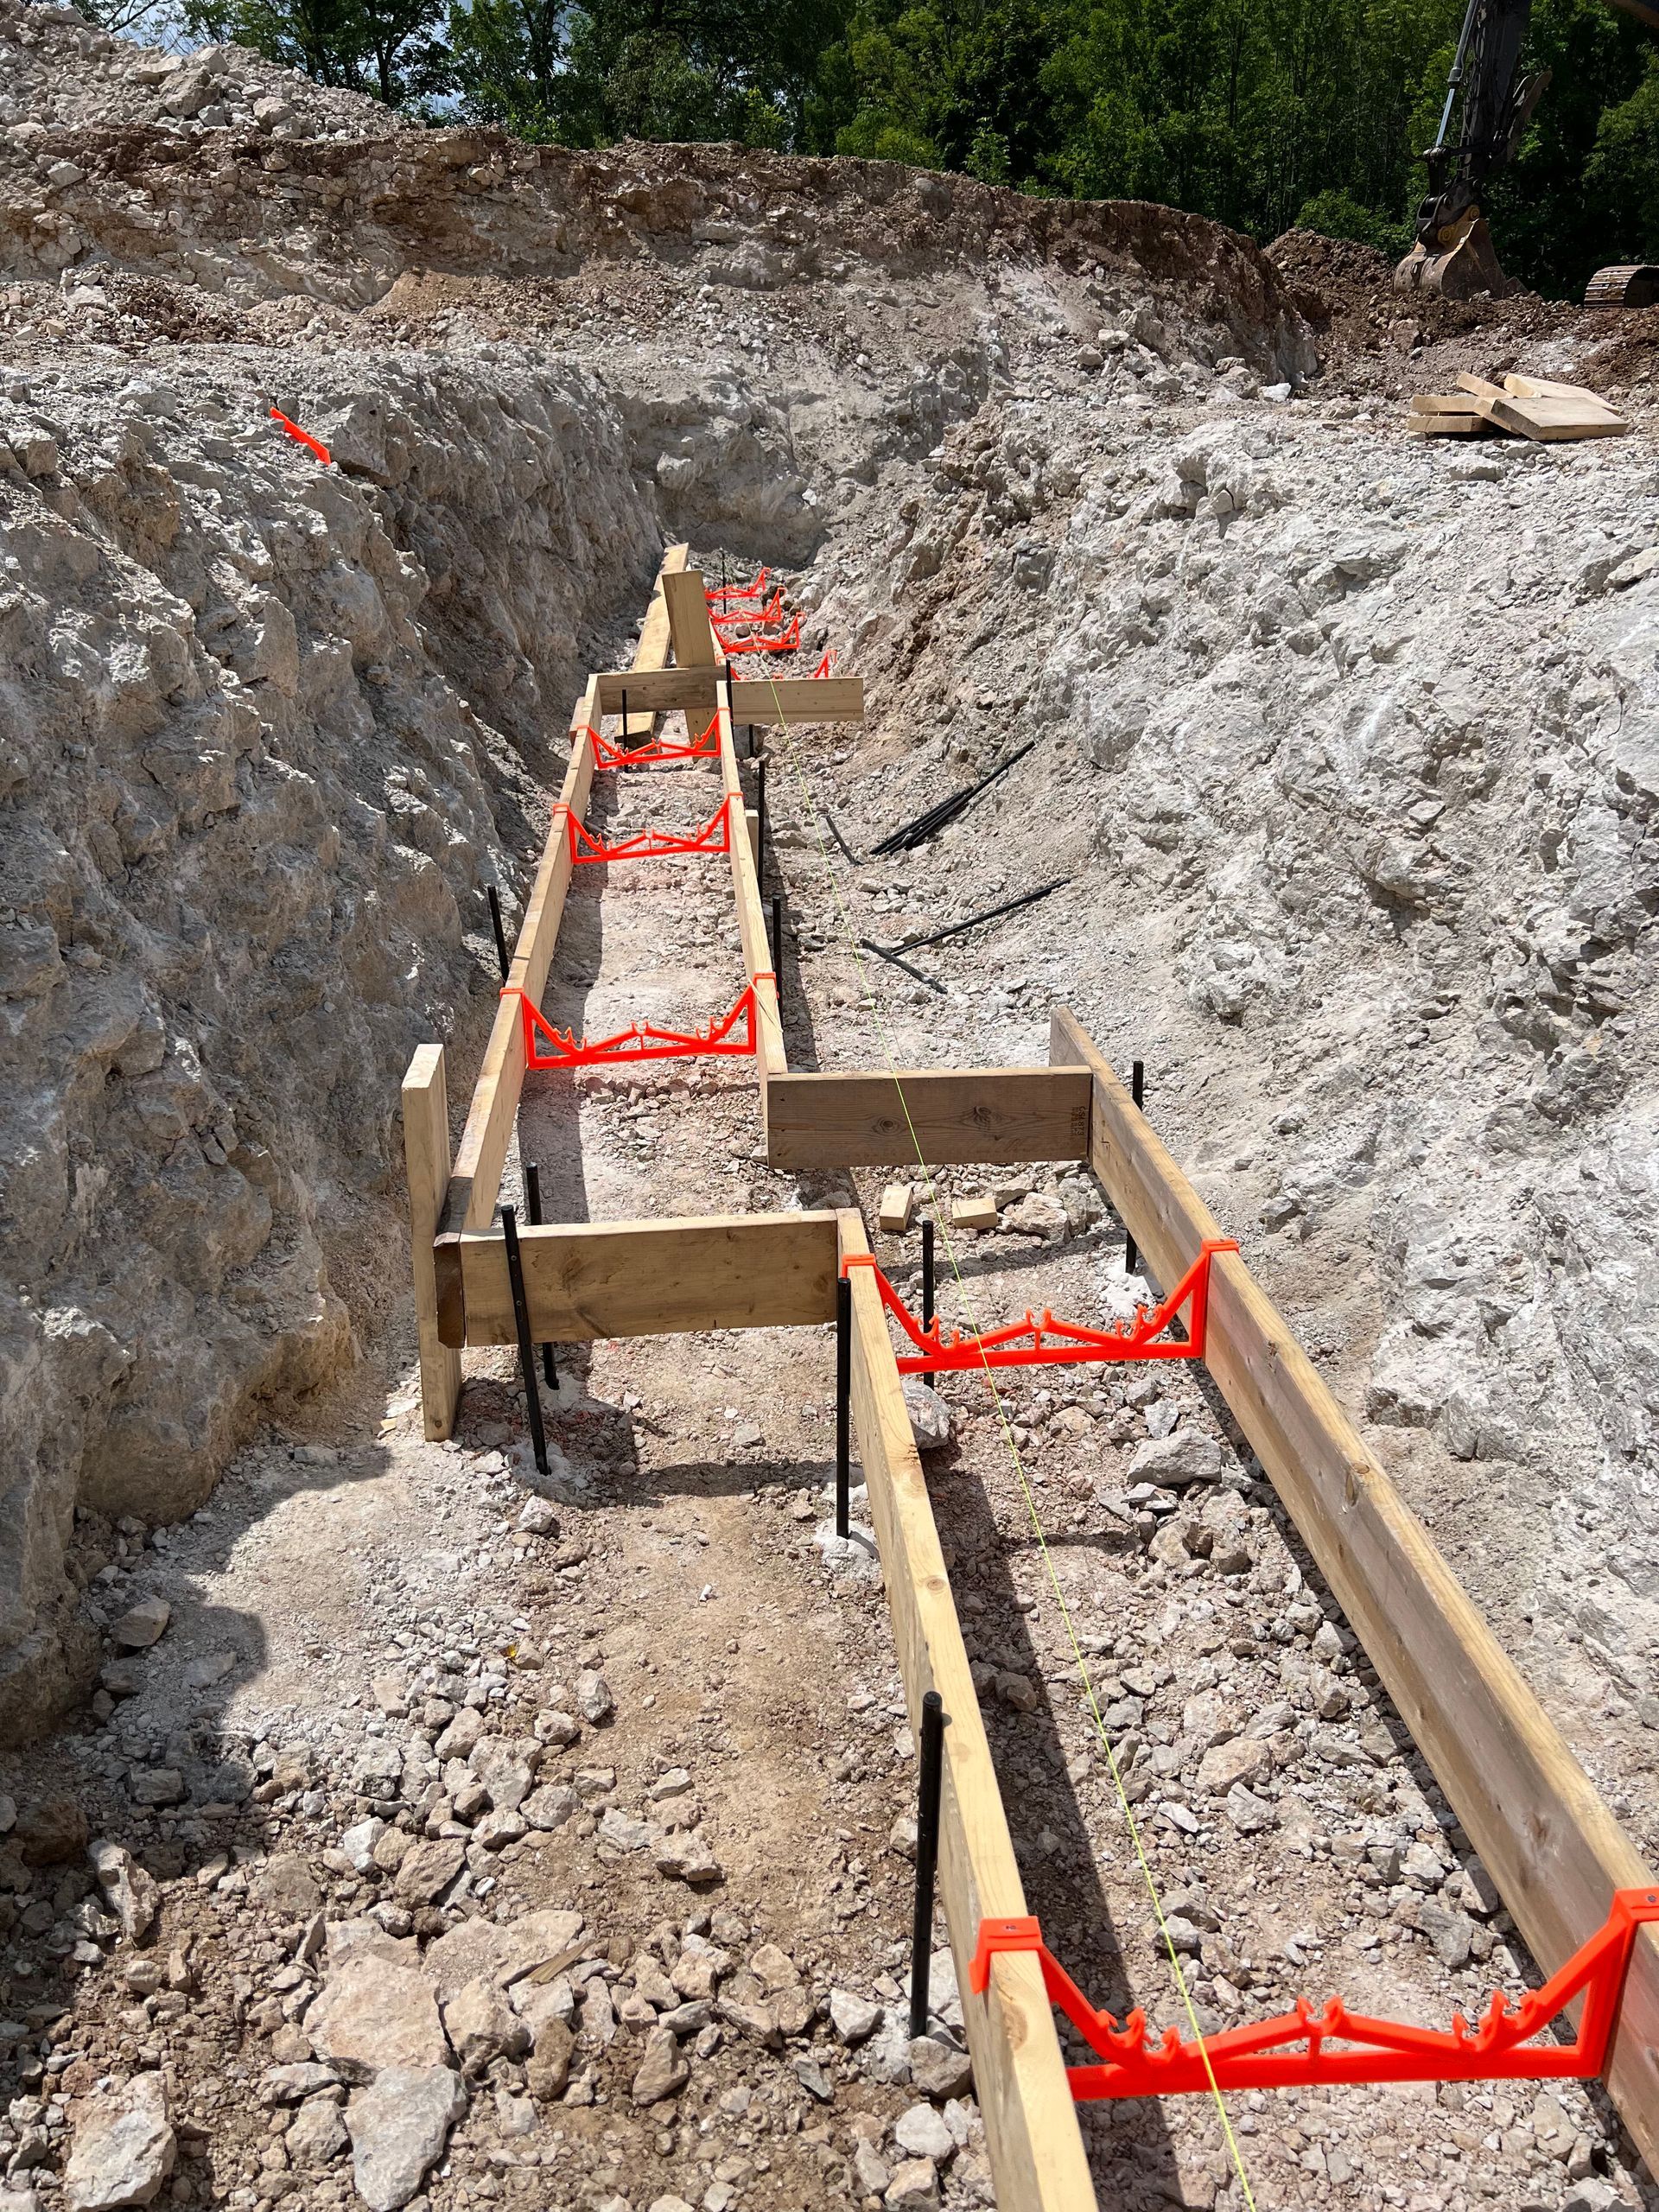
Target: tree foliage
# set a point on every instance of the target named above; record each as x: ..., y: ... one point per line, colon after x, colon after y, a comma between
x: 1261, y: 112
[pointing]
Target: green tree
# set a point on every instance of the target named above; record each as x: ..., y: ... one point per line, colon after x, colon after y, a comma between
x: 388, y: 47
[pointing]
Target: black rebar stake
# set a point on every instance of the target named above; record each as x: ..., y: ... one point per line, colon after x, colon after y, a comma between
x: 533, y: 1208
x: 927, y: 1271
x: 778, y: 950
x: 526, y: 1350
x: 500, y: 933
x: 843, y: 1405
x: 930, y: 1775
x: 761, y: 825
x: 622, y: 735
x: 1137, y: 1084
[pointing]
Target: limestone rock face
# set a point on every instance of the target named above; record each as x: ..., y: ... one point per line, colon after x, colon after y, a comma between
x: 252, y: 817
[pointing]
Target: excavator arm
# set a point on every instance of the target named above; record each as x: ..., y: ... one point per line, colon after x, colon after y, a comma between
x: 1492, y: 103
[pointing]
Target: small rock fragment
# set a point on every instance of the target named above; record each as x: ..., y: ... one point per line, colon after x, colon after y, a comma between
x: 142, y: 1624
x: 662, y: 2072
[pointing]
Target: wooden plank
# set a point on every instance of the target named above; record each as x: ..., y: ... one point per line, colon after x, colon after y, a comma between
x: 995, y: 1115
x: 1439, y: 403
x: 1520, y: 387
x: 654, y: 1278
x: 791, y: 700
x: 665, y: 690
x: 898, y: 1209
x: 1549, y: 421
x: 690, y: 628
x: 1553, y: 1847
x: 771, y: 1061
x: 1468, y: 381
x: 652, y: 652
x: 476, y: 1182
x: 1447, y: 426
x: 426, y: 1163
x: 1032, y: 2133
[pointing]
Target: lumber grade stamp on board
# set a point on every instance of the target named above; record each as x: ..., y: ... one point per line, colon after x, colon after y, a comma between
x: 1550, y: 1843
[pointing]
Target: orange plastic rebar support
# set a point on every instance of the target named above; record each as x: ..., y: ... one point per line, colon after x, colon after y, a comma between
x: 787, y: 641
x: 734, y: 1035
x: 740, y: 591
x: 704, y: 746
x: 1292, y: 2050
x: 715, y: 837
x: 1049, y: 1343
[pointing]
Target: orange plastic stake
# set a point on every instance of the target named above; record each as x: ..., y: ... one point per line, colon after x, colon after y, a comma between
x: 304, y: 436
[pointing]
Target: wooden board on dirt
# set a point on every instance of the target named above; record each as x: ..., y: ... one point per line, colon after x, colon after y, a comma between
x: 1447, y: 424
x: 1549, y: 420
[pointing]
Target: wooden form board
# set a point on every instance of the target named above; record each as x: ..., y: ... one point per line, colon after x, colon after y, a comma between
x: 664, y: 690
x: 1031, y: 2121
x: 1550, y: 1842
x: 690, y: 631
x: 584, y: 1281
x: 927, y: 1114
x: 652, y: 652
x: 791, y: 700
x: 426, y: 1160
x: 476, y: 1181
x: 751, y: 918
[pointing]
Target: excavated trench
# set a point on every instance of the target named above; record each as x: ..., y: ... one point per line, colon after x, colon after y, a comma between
x: 1345, y: 750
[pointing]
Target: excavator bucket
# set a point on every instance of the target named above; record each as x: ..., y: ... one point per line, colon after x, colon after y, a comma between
x: 1465, y: 267
x: 1629, y: 284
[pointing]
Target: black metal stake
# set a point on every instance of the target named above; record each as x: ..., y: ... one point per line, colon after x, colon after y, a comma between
x: 760, y: 823
x: 500, y: 933
x: 1137, y: 1085
x: 844, y: 1405
x: 927, y: 1271
x: 778, y: 950
x: 622, y: 735
x: 930, y: 1775
x: 526, y: 1350
x: 533, y: 1208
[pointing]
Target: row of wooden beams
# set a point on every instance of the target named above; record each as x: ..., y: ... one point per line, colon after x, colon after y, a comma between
x: 1031, y: 2121
x: 474, y: 1183
x: 588, y: 1281
x: 771, y: 1060
x: 927, y: 1114
x: 1551, y: 1845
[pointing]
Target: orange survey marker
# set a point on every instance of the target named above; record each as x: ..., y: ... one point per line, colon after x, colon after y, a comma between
x: 1292, y: 2050
x: 304, y: 436
x: 1049, y: 1343
x: 734, y: 1035
x: 715, y: 837
x: 740, y: 591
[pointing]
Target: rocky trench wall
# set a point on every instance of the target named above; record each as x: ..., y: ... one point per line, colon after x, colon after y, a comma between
x: 261, y: 729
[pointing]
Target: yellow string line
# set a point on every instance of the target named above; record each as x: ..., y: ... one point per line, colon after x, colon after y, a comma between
x: 1018, y: 1468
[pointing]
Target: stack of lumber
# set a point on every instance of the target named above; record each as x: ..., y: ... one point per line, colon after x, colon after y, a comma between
x: 1522, y: 407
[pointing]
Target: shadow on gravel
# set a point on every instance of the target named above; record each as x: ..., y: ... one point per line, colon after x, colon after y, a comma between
x: 1128, y: 2144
